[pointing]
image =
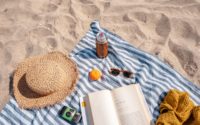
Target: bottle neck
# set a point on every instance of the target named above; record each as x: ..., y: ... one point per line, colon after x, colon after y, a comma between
x: 98, y: 42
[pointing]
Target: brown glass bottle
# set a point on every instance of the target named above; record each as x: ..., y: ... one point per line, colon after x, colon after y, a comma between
x: 101, y: 45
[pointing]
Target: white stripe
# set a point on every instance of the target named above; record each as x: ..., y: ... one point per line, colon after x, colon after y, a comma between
x: 40, y: 117
x: 35, y: 121
x: 9, y: 116
x: 48, y: 117
x: 44, y: 113
x: 2, y: 120
x: 25, y: 112
x: 17, y: 115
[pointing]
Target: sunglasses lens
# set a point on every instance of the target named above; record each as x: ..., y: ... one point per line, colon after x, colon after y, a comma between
x: 127, y: 74
x: 115, y: 72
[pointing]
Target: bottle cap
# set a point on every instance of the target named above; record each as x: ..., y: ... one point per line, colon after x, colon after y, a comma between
x: 101, y: 37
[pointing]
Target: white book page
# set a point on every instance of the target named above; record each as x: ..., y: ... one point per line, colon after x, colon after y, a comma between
x: 103, y: 108
x: 130, y: 106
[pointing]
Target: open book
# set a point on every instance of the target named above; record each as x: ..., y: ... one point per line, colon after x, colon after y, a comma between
x: 121, y: 106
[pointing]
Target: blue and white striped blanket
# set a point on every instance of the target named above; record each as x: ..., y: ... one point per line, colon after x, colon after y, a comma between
x: 154, y: 77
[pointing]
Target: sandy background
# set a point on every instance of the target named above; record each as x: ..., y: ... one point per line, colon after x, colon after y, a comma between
x: 169, y: 29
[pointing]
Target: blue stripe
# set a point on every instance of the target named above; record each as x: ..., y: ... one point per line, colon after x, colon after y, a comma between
x: 6, y: 119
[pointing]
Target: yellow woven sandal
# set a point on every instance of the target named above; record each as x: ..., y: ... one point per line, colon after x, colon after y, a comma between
x: 179, y: 103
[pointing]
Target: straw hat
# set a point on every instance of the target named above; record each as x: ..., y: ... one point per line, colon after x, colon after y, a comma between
x: 44, y: 80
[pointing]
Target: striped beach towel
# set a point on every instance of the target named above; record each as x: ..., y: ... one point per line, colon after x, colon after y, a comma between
x: 155, y: 78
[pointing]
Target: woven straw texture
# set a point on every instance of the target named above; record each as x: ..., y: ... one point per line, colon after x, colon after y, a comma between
x: 176, y: 108
x: 44, y: 80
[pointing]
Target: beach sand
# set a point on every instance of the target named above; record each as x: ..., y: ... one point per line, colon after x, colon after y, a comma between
x: 168, y: 29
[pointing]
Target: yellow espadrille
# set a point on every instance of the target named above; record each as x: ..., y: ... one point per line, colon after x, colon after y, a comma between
x: 179, y: 103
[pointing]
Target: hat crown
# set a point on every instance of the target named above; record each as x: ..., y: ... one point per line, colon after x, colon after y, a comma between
x: 46, y: 77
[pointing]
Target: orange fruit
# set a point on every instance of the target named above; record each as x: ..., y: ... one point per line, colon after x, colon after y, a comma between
x: 95, y: 74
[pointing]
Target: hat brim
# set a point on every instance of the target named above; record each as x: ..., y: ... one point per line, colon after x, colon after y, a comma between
x: 26, y: 98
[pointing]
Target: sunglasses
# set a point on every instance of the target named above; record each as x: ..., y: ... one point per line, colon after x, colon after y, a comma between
x: 116, y: 72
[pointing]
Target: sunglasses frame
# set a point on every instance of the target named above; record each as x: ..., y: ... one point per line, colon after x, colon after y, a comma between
x: 120, y: 71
